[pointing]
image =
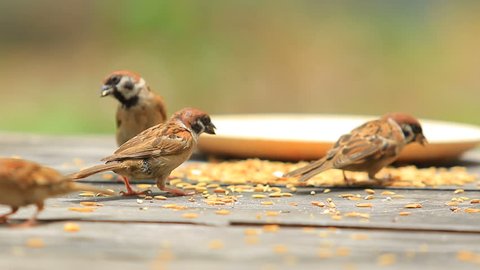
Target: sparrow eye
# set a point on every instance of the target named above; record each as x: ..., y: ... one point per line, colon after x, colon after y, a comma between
x: 417, y: 129
x: 206, y: 120
x: 114, y: 80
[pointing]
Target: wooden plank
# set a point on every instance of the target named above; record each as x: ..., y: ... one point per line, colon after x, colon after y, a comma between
x: 384, y: 213
x: 156, y: 246
x: 125, y: 233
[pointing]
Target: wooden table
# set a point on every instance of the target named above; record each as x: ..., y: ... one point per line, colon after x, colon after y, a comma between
x: 126, y: 233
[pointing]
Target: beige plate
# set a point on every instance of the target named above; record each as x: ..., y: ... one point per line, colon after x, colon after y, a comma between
x: 306, y: 137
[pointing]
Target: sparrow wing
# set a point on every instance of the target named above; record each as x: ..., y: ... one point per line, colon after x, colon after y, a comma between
x: 26, y: 174
x: 160, y: 140
x: 359, y: 149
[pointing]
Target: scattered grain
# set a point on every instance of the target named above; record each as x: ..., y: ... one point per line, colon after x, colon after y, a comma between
x: 359, y: 236
x: 342, y: 251
x: 87, y: 194
x: 275, y: 195
x: 222, y: 212
x: 107, y: 176
x: 272, y: 213
x: 324, y: 253
x: 413, y: 205
x: 364, y: 205
x: 280, y: 249
x: 386, y: 259
x: 35, y: 242
x: 87, y: 209
x: 190, y: 215
x: 144, y: 186
x: 317, y: 203
x: 271, y: 228
x: 90, y: 204
x: 251, y: 231
x: 216, y: 244
x: 71, y: 227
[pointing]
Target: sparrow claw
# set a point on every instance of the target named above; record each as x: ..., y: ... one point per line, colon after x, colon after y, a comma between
x: 27, y: 224
x: 3, y: 219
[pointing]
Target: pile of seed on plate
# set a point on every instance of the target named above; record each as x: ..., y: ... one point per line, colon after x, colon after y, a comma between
x: 255, y: 171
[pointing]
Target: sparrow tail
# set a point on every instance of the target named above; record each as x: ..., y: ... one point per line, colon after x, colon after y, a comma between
x: 308, y: 171
x: 95, y: 169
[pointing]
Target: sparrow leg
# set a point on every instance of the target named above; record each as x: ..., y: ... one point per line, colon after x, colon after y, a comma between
x: 349, y: 182
x: 33, y: 220
x: 130, y: 191
x: 4, y: 217
x: 381, y: 181
x: 175, y: 191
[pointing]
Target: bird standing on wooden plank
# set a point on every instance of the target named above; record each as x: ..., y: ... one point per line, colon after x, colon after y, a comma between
x: 157, y: 151
x: 139, y: 108
x: 24, y: 182
x: 367, y: 148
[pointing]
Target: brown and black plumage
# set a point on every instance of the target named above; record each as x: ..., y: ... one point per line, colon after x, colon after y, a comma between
x: 139, y: 108
x: 157, y: 151
x: 24, y: 182
x: 367, y: 148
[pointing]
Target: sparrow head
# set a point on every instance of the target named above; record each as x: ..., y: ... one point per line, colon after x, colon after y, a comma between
x: 125, y: 86
x: 196, y: 120
x: 411, y: 128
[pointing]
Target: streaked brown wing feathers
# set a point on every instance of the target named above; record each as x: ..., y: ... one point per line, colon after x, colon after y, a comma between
x: 153, y: 142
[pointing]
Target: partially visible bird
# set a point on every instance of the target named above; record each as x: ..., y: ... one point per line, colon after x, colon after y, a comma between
x: 24, y: 182
x: 367, y: 148
x: 157, y: 151
x: 139, y: 107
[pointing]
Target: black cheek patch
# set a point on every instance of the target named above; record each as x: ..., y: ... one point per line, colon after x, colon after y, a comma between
x: 129, y: 85
x: 197, y: 128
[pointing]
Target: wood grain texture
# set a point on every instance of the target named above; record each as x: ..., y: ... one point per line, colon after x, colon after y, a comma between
x: 128, y: 234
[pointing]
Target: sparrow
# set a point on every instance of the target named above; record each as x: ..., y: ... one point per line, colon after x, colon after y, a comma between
x: 367, y: 148
x: 25, y: 182
x: 157, y: 151
x: 139, y: 108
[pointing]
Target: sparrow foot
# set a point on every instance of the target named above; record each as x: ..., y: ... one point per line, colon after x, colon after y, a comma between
x: 349, y: 181
x: 27, y: 224
x: 130, y: 191
x: 3, y: 219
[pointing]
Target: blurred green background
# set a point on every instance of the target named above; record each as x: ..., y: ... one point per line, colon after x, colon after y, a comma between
x: 342, y: 57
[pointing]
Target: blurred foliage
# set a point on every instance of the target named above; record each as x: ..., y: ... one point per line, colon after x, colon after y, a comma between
x: 342, y: 57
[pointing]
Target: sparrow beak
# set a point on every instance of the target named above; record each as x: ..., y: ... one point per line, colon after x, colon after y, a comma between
x: 421, y: 139
x: 210, y: 129
x: 106, y: 90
